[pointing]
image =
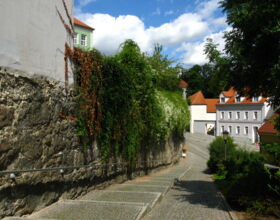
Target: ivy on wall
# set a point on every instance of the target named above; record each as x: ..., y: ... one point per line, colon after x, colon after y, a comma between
x: 120, y: 105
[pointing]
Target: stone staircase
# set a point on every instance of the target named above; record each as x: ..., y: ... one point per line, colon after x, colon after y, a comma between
x: 128, y: 201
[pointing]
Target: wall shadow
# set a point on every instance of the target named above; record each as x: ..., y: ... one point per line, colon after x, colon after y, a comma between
x: 199, y: 193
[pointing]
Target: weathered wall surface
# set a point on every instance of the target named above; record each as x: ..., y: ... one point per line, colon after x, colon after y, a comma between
x: 33, y: 135
x: 33, y: 37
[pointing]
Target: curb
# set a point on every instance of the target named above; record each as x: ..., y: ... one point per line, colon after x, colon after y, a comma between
x: 229, y: 210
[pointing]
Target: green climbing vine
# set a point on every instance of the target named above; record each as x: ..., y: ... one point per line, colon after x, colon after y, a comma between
x: 120, y: 105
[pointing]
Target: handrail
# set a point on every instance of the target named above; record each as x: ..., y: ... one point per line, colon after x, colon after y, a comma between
x: 61, y: 169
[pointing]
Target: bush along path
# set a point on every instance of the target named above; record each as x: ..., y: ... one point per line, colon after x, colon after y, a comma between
x: 194, y: 196
x: 244, y: 180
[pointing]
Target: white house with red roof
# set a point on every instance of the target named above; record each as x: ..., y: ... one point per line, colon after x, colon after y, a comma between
x: 241, y: 116
x: 83, y: 37
x: 203, y: 114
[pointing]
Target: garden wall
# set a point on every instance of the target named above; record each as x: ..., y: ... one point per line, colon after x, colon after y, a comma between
x: 38, y: 130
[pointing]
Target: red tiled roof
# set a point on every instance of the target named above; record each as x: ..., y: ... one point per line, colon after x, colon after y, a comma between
x: 183, y: 84
x: 229, y: 93
x: 198, y: 99
x: 211, y: 105
x: 80, y: 23
x: 268, y: 126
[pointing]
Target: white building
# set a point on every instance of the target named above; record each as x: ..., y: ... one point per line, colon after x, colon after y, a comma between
x: 33, y: 34
x: 203, y: 114
x: 241, y: 116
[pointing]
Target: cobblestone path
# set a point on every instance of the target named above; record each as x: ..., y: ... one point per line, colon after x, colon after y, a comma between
x: 194, y: 197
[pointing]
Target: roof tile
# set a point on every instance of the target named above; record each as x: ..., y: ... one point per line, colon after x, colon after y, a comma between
x: 198, y: 99
x: 268, y: 126
x: 80, y: 23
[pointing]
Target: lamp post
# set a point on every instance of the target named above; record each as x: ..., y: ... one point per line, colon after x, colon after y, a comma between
x: 225, y: 136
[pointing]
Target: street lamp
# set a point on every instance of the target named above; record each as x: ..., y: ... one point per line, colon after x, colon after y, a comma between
x: 225, y: 136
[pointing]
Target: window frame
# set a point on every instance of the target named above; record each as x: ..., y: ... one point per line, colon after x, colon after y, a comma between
x: 255, y: 115
x: 83, y: 41
x: 238, y: 115
x: 238, y: 130
x: 246, y: 130
x: 246, y: 115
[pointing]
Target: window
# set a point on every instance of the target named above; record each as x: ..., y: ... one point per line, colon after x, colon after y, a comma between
x: 230, y: 115
x: 84, y: 40
x: 229, y: 129
x: 237, y: 99
x: 237, y: 115
x: 246, y: 115
x: 222, y: 129
x: 75, y: 38
x: 223, y: 100
x: 222, y: 115
x: 246, y: 130
x: 255, y: 115
x: 255, y: 99
x: 238, y: 130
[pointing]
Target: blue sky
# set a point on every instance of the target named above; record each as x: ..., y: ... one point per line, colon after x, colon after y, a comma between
x: 180, y: 26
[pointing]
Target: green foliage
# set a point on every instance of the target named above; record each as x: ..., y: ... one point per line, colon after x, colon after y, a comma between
x: 253, y: 46
x: 134, y: 112
x: 176, y: 115
x: 210, y: 78
x: 271, y: 153
x: 166, y: 76
x: 219, y: 152
x: 243, y: 179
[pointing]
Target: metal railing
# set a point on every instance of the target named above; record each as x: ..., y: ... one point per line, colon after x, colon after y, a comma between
x: 63, y: 168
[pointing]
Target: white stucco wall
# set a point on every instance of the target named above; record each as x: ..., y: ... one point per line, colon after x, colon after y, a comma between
x: 199, y: 113
x: 33, y: 37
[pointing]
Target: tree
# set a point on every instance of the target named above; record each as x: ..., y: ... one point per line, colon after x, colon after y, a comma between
x: 210, y: 78
x: 166, y: 75
x: 253, y: 46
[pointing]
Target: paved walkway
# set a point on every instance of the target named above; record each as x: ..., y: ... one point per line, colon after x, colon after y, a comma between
x: 194, y: 197
x: 185, y: 191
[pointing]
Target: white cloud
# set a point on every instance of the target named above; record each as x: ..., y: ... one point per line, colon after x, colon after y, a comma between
x: 206, y: 9
x: 186, y: 27
x: 111, y: 31
x: 185, y: 34
x: 194, y: 52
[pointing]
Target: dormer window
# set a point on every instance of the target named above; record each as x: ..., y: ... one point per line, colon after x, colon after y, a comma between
x: 255, y: 99
x: 223, y: 100
x: 238, y: 99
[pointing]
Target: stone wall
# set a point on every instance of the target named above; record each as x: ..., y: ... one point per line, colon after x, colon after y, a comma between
x: 34, y: 134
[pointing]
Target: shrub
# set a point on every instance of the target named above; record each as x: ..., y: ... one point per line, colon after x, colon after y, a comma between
x: 244, y: 180
x: 271, y: 153
x: 219, y: 151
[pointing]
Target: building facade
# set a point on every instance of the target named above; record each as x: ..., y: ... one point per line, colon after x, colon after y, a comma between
x: 83, y: 37
x: 241, y: 116
x: 203, y: 114
x: 33, y: 36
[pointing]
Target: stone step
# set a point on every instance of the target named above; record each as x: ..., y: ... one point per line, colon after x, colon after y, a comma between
x: 88, y: 209
x: 149, y: 198
x: 131, y: 200
x: 140, y: 188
